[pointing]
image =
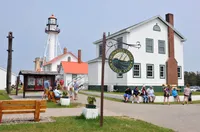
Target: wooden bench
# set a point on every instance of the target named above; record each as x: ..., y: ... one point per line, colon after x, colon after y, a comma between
x: 52, y: 97
x: 22, y: 107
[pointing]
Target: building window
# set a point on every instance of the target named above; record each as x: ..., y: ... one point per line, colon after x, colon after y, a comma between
x: 179, y: 72
x: 100, y: 50
x: 119, y: 75
x: 58, y: 67
x: 149, y: 45
x: 150, y: 71
x: 156, y: 28
x: 136, y: 70
x: 69, y: 59
x: 162, y: 71
x: 74, y: 76
x: 161, y: 46
x: 119, y: 42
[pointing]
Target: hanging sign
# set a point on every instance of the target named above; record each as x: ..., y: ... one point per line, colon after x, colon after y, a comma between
x: 121, y: 60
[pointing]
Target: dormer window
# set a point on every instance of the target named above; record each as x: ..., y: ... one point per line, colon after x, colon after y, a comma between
x: 156, y: 28
x: 69, y: 59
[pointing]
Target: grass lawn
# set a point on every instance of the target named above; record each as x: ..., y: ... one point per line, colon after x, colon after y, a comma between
x: 3, y: 95
x: 56, y: 105
x: 78, y: 124
x: 14, y: 91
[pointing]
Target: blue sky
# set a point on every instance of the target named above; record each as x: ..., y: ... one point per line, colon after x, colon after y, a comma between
x: 83, y: 21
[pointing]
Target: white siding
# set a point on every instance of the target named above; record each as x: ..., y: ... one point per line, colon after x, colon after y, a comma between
x: 140, y: 56
x: 53, y: 66
x: 93, y: 73
x: 3, y: 79
x: 178, y: 48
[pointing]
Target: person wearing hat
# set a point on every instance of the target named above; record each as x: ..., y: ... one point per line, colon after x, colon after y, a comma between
x: 175, y: 94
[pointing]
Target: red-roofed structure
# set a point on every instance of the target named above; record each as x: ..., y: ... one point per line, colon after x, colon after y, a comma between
x: 54, y: 64
x: 74, y: 67
x: 59, y: 57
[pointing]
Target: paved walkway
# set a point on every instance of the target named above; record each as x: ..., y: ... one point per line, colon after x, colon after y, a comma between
x: 181, y: 118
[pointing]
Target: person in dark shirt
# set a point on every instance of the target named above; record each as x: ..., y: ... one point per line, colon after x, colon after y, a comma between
x: 136, y: 94
x: 127, y: 94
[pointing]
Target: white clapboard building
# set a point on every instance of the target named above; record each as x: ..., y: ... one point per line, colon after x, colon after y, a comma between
x: 158, y: 61
x: 3, y: 73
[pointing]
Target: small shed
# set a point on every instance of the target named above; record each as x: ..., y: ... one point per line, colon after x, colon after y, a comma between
x: 34, y: 80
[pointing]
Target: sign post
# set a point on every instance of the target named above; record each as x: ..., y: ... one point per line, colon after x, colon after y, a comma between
x: 120, y: 61
x: 102, y: 78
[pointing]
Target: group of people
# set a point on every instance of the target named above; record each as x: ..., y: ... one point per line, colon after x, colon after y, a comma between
x: 149, y: 96
x: 58, y: 88
x: 187, y: 94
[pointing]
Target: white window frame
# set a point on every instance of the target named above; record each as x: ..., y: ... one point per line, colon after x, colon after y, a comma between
x: 179, y: 77
x: 159, y: 45
x: 164, y: 71
x: 100, y: 50
x: 151, y: 71
x: 139, y: 70
x: 149, y: 44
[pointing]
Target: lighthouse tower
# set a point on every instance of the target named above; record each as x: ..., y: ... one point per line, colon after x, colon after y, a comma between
x: 52, y: 47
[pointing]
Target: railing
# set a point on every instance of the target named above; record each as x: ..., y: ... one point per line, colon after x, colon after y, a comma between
x: 79, y: 79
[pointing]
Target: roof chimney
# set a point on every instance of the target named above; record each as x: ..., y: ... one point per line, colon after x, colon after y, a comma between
x: 170, y: 18
x: 172, y: 75
x: 79, y: 56
x: 37, y: 64
x: 65, y: 51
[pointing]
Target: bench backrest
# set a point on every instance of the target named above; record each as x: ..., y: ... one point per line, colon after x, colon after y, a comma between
x: 22, y: 104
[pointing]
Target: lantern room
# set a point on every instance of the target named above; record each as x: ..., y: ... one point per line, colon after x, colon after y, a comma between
x: 52, y: 25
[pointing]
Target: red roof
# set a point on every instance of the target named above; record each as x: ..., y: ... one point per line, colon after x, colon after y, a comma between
x: 75, y: 67
x: 58, y: 57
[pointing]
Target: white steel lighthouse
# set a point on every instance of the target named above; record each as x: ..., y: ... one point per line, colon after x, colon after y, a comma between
x: 52, y: 47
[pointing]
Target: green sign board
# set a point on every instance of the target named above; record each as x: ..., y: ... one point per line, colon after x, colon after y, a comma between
x: 121, y: 60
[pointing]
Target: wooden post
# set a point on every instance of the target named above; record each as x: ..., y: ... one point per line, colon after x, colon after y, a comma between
x: 102, y: 78
x: 9, y: 63
x: 17, y: 84
x: 37, y: 110
x: 1, y: 114
x: 25, y: 85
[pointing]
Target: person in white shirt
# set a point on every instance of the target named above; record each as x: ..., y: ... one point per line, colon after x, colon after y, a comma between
x: 57, y: 93
x: 151, y: 95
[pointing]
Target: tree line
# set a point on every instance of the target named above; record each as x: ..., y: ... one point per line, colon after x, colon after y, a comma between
x: 192, y: 78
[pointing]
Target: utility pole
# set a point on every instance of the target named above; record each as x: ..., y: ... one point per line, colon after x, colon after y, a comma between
x: 102, y: 77
x: 9, y: 63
